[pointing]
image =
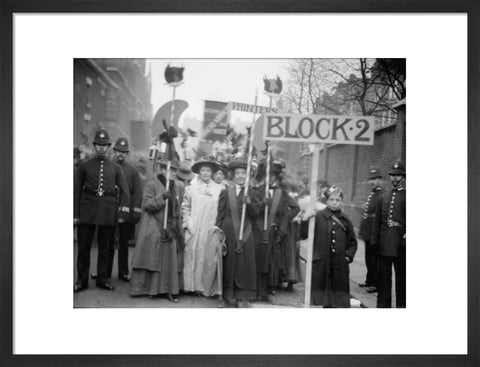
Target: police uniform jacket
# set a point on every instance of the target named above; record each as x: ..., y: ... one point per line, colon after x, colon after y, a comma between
x: 368, y: 215
x: 389, y: 226
x: 135, y: 190
x: 95, y: 192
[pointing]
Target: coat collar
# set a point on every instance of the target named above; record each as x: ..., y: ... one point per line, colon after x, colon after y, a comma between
x: 328, y: 213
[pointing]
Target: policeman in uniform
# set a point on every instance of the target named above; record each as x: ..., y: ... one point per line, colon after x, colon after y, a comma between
x: 389, y: 234
x: 371, y: 252
x: 95, y: 208
x: 126, y: 230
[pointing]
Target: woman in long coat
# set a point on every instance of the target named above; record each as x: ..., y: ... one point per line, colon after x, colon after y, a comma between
x: 155, y: 265
x: 239, y: 270
x: 291, y: 252
x: 199, y: 213
x: 271, y: 266
x: 334, y: 246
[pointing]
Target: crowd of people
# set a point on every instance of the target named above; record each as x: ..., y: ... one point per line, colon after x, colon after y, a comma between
x: 204, y: 231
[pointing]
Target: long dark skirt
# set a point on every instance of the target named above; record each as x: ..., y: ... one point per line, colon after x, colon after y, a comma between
x: 291, y: 253
x: 152, y: 283
x: 239, y: 270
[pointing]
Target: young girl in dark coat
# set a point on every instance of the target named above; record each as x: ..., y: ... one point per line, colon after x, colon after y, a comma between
x: 334, y: 246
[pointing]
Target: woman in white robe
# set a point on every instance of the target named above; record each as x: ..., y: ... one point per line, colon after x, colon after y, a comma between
x: 203, y: 255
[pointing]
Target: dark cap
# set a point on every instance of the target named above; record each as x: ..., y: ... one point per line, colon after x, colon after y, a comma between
x: 237, y: 162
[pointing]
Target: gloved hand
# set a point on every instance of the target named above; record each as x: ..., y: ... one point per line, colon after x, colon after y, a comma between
x: 246, y: 200
x: 166, y: 195
x: 311, y: 212
x: 135, y: 217
x: 267, y: 201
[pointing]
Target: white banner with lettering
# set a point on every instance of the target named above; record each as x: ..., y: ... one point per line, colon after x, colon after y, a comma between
x: 332, y: 129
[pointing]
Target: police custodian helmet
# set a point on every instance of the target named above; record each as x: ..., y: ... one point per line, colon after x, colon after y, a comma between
x: 102, y: 137
x: 121, y: 145
x: 374, y: 173
x: 398, y: 168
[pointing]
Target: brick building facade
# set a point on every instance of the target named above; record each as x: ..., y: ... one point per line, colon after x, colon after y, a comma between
x: 347, y: 166
x: 115, y: 94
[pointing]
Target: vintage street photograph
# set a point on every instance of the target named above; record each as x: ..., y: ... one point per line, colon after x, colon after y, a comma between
x: 239, y: 183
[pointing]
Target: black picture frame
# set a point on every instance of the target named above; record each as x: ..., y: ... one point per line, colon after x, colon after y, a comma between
x: 8, y: 8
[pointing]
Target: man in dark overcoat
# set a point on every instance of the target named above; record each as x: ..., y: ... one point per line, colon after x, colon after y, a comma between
x: 239, y: 268
x: 368, y: 215
x: 389, y: 234
x: 95, y: 207
x: 126, y: 230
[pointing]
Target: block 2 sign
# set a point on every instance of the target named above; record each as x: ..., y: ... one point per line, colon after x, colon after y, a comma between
x: 332, y: 129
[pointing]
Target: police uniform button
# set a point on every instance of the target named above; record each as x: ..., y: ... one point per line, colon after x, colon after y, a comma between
x: 333, y: 241
x: 333, y: 232
x: 333, y: 250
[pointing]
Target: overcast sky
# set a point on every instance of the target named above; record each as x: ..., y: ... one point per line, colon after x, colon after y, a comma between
x: 222, y: 80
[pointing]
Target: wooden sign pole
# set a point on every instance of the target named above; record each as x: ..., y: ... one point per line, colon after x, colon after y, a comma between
x: 311, y: 224
x: 249, y: 166
x: 169, y: 163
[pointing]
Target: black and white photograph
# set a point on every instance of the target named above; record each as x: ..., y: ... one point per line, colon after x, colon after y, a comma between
x: 239, y: 183
x: 225, y: 161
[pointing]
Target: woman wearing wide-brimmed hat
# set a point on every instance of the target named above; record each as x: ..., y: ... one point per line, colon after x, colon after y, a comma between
x: 199, y: 211
x: 155, y: 261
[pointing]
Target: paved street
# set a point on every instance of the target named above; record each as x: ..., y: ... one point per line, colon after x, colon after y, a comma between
x: 119, y: 298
